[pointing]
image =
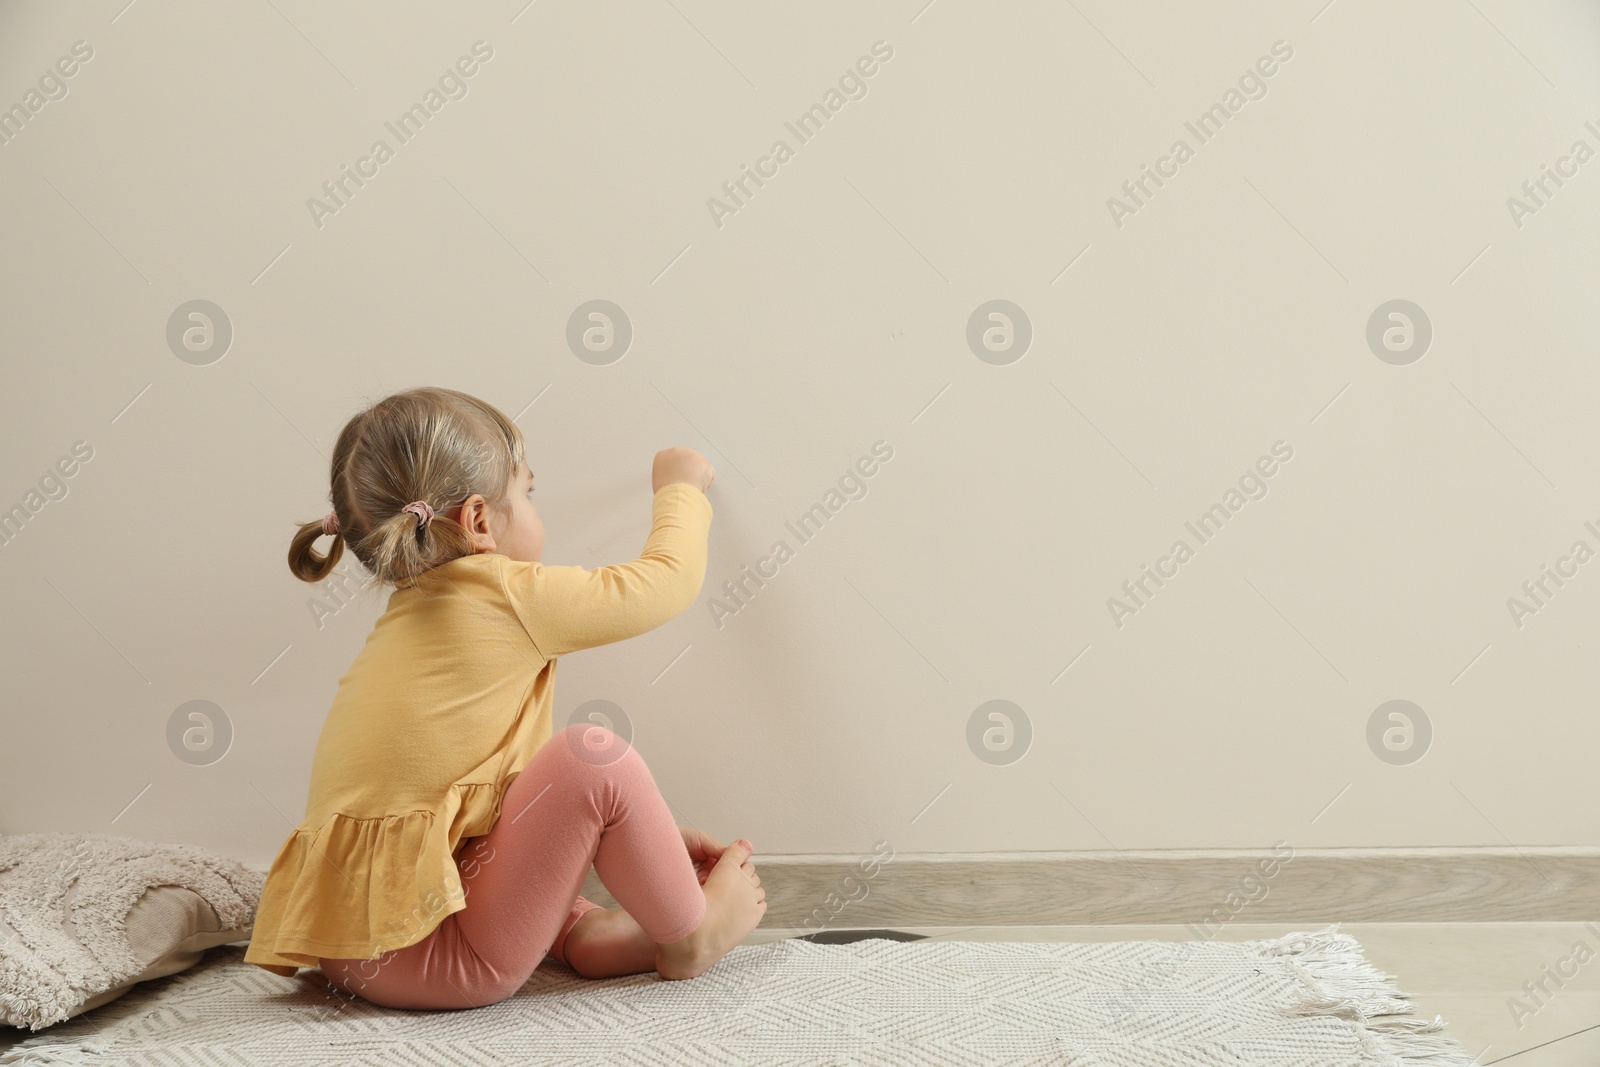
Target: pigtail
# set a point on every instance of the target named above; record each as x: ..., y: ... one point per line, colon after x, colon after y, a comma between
x: 399, y: 550
x: 304, y: 561
x: 443, y: 540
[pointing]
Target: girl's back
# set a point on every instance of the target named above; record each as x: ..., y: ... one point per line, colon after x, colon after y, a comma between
x: 448, y: 688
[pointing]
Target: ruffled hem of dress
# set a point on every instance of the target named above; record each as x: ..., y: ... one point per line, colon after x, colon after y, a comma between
x: 355, y: 888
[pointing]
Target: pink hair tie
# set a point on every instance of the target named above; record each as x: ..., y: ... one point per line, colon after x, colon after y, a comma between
x: 330, y: 523
x: 421, y: 510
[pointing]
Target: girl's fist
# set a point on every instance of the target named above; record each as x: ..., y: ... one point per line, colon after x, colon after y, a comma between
x: 681, y: 465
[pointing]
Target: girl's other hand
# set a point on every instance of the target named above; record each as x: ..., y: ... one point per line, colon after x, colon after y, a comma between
x: 704, y: 851
x: 681, y: 465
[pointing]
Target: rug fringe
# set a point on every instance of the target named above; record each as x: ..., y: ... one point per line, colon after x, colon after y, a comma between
x: 1339, y: 981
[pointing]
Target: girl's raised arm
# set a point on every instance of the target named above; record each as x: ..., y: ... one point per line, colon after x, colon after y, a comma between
x: 567, y: 609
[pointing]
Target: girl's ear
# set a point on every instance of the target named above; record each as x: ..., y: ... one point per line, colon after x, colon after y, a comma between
x: 475, y: 520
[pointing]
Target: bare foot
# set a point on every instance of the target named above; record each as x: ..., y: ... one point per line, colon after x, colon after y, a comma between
x: 735, y: 903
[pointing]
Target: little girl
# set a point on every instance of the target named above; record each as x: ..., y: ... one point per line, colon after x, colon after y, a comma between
x: 447, y: 833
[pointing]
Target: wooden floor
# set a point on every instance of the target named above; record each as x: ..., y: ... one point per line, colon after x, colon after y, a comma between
x: 1463, y: 972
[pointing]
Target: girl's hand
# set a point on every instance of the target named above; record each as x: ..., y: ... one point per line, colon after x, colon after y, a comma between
x: 704, y: 851
x: 681, y: 465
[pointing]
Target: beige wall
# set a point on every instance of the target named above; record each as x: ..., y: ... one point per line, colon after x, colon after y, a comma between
x: 1226, y: 313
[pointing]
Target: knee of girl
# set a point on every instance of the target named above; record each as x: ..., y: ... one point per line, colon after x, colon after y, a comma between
x: 597, y: 746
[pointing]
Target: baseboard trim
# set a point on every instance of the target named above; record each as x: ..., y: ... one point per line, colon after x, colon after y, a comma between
x: 1202, y: 888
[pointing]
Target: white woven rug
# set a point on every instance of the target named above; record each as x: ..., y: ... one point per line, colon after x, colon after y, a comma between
x: 1308, y: 1000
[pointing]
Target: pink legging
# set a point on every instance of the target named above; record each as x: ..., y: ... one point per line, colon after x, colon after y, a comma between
x: 585, y: 798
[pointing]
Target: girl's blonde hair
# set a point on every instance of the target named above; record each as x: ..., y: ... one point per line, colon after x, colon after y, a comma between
x: 435, y: 445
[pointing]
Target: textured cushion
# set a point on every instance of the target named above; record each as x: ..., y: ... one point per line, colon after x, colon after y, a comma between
x: 84, y: 918
x: 168, y: 930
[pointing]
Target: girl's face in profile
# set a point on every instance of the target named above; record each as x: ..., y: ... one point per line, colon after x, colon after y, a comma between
x: 522, y: 536
x: 517, y: 534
